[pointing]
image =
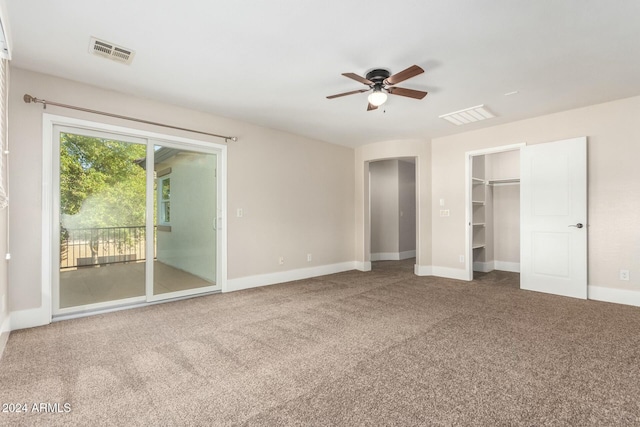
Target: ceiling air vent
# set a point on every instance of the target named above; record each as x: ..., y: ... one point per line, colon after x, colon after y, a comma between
x: 111, y: 51
x: 468, y: 115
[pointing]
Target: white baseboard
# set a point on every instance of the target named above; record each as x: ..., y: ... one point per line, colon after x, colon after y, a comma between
x: 363, y: 265
x: 5, y: 330
x: 407, y: 254
x: 488, y: 266
x: 392, y: 256
x: 513, y: 267
x: 30, y: 318
x: 449, y: 273
x: 484, y: 267
x: 619, y: 296
x: 288, y: 276
x: 423, y: 270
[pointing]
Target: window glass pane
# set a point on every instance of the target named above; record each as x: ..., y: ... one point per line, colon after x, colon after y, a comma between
x: 166, y: 188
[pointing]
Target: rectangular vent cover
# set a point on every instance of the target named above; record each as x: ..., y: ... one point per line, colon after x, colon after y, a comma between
x: 111, y: 51
x: 468, y: 115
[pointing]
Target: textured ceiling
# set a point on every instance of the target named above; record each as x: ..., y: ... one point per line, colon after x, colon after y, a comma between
x: 272, y: 63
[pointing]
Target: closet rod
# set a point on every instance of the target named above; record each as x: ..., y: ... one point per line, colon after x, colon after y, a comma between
x: 28, y: 99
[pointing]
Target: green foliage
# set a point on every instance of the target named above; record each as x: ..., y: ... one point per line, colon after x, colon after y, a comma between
x: 101, y: 184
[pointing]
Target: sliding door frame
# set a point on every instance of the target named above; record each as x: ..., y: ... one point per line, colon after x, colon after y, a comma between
x: 50, y: 202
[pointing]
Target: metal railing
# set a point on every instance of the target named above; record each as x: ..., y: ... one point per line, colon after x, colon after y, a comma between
x: 82, y: 247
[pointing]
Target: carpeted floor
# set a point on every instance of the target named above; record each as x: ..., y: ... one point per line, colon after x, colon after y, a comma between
x: 378, y: 348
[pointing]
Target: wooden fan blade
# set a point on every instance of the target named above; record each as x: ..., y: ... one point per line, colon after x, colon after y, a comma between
x: 417, y: 94
x: 371, y: 107
x: 347, y: 93
x: 403, y: 75
x: 358, y: 78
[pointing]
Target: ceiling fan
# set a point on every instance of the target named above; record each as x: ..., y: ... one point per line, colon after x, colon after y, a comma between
x: 382, y: 82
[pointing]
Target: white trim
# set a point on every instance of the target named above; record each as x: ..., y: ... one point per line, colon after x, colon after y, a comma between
x: 392, y: 256
x: 5, y: 330
x: 618, y: 296
x: 121, y: 307
x: 30, y: 318
x: 484, y: 267
x: 286, y: 276
x: 513, y: 267
x: 385, y: 256
x: 363, y: 265
x: 422, y: 270
x: 98, y: 306
x: 6, y: 324
x: 449, y: 273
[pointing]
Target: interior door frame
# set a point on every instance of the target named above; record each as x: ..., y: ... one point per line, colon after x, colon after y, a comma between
x: 49, y: 240
x: 469, y: 155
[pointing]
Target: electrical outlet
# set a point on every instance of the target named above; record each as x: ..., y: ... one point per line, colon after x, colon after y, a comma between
x: 281, y: 260
x: 239, y: 213
x: 624, y: 274
x: 461, y: 258
x: 308, y: 257
x: 444, y: 212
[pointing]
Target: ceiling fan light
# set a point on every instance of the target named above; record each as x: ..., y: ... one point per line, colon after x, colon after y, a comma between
x: 377, y: 98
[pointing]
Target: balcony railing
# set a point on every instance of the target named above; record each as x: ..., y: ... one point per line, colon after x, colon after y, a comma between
x: 83, y: 247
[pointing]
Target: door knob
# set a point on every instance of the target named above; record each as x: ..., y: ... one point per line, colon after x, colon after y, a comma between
x: 578, y: 225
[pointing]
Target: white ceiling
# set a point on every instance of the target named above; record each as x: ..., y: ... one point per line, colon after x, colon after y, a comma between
x: 273, y: 63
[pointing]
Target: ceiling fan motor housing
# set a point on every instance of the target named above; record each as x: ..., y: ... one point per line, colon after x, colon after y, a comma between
x: 378, y: 76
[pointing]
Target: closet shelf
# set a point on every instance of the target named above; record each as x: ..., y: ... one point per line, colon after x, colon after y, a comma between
x: 478, y: 246
x: 478, y: 224
x: 477, y: 202
x: 477, y: 180
x: 503, y: 181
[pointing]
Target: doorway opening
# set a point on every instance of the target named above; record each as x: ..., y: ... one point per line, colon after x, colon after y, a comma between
x: 493, y: 211
x: 393, y: 211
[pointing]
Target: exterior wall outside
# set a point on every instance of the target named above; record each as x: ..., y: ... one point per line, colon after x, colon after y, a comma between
x: 191, y: 243
x: 613, y: 137
x: 297, y: 194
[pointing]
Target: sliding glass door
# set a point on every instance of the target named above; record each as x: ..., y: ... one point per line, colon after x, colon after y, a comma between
x: 185, y: 206
x: 135, y: 220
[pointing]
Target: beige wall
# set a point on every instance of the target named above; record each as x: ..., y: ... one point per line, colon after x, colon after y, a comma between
x: 297, y: 194
x: 4, y: 289
x: 414, y: 148
x: 385, y: 216
x: 613, y: 135
x: 407, y: 206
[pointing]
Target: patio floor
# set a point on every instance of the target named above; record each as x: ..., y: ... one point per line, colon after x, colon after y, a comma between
x: 90, y: 285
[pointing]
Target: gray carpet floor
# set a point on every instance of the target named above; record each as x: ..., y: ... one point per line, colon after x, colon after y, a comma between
x: 377, y: 348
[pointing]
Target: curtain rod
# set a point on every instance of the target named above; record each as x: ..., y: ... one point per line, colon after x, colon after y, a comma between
x: 28, y: 99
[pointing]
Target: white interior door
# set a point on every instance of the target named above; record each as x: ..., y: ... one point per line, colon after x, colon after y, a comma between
x: 553, y: 215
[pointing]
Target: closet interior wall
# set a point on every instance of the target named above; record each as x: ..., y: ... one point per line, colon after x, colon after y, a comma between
x: 496, y: 212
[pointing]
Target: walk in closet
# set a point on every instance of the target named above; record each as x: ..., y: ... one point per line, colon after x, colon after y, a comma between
x: 495, y: 222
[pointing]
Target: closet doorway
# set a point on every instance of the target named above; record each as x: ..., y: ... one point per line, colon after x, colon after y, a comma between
x: 493, y: 210
x: 549, y: 235
x: 393, y: 207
